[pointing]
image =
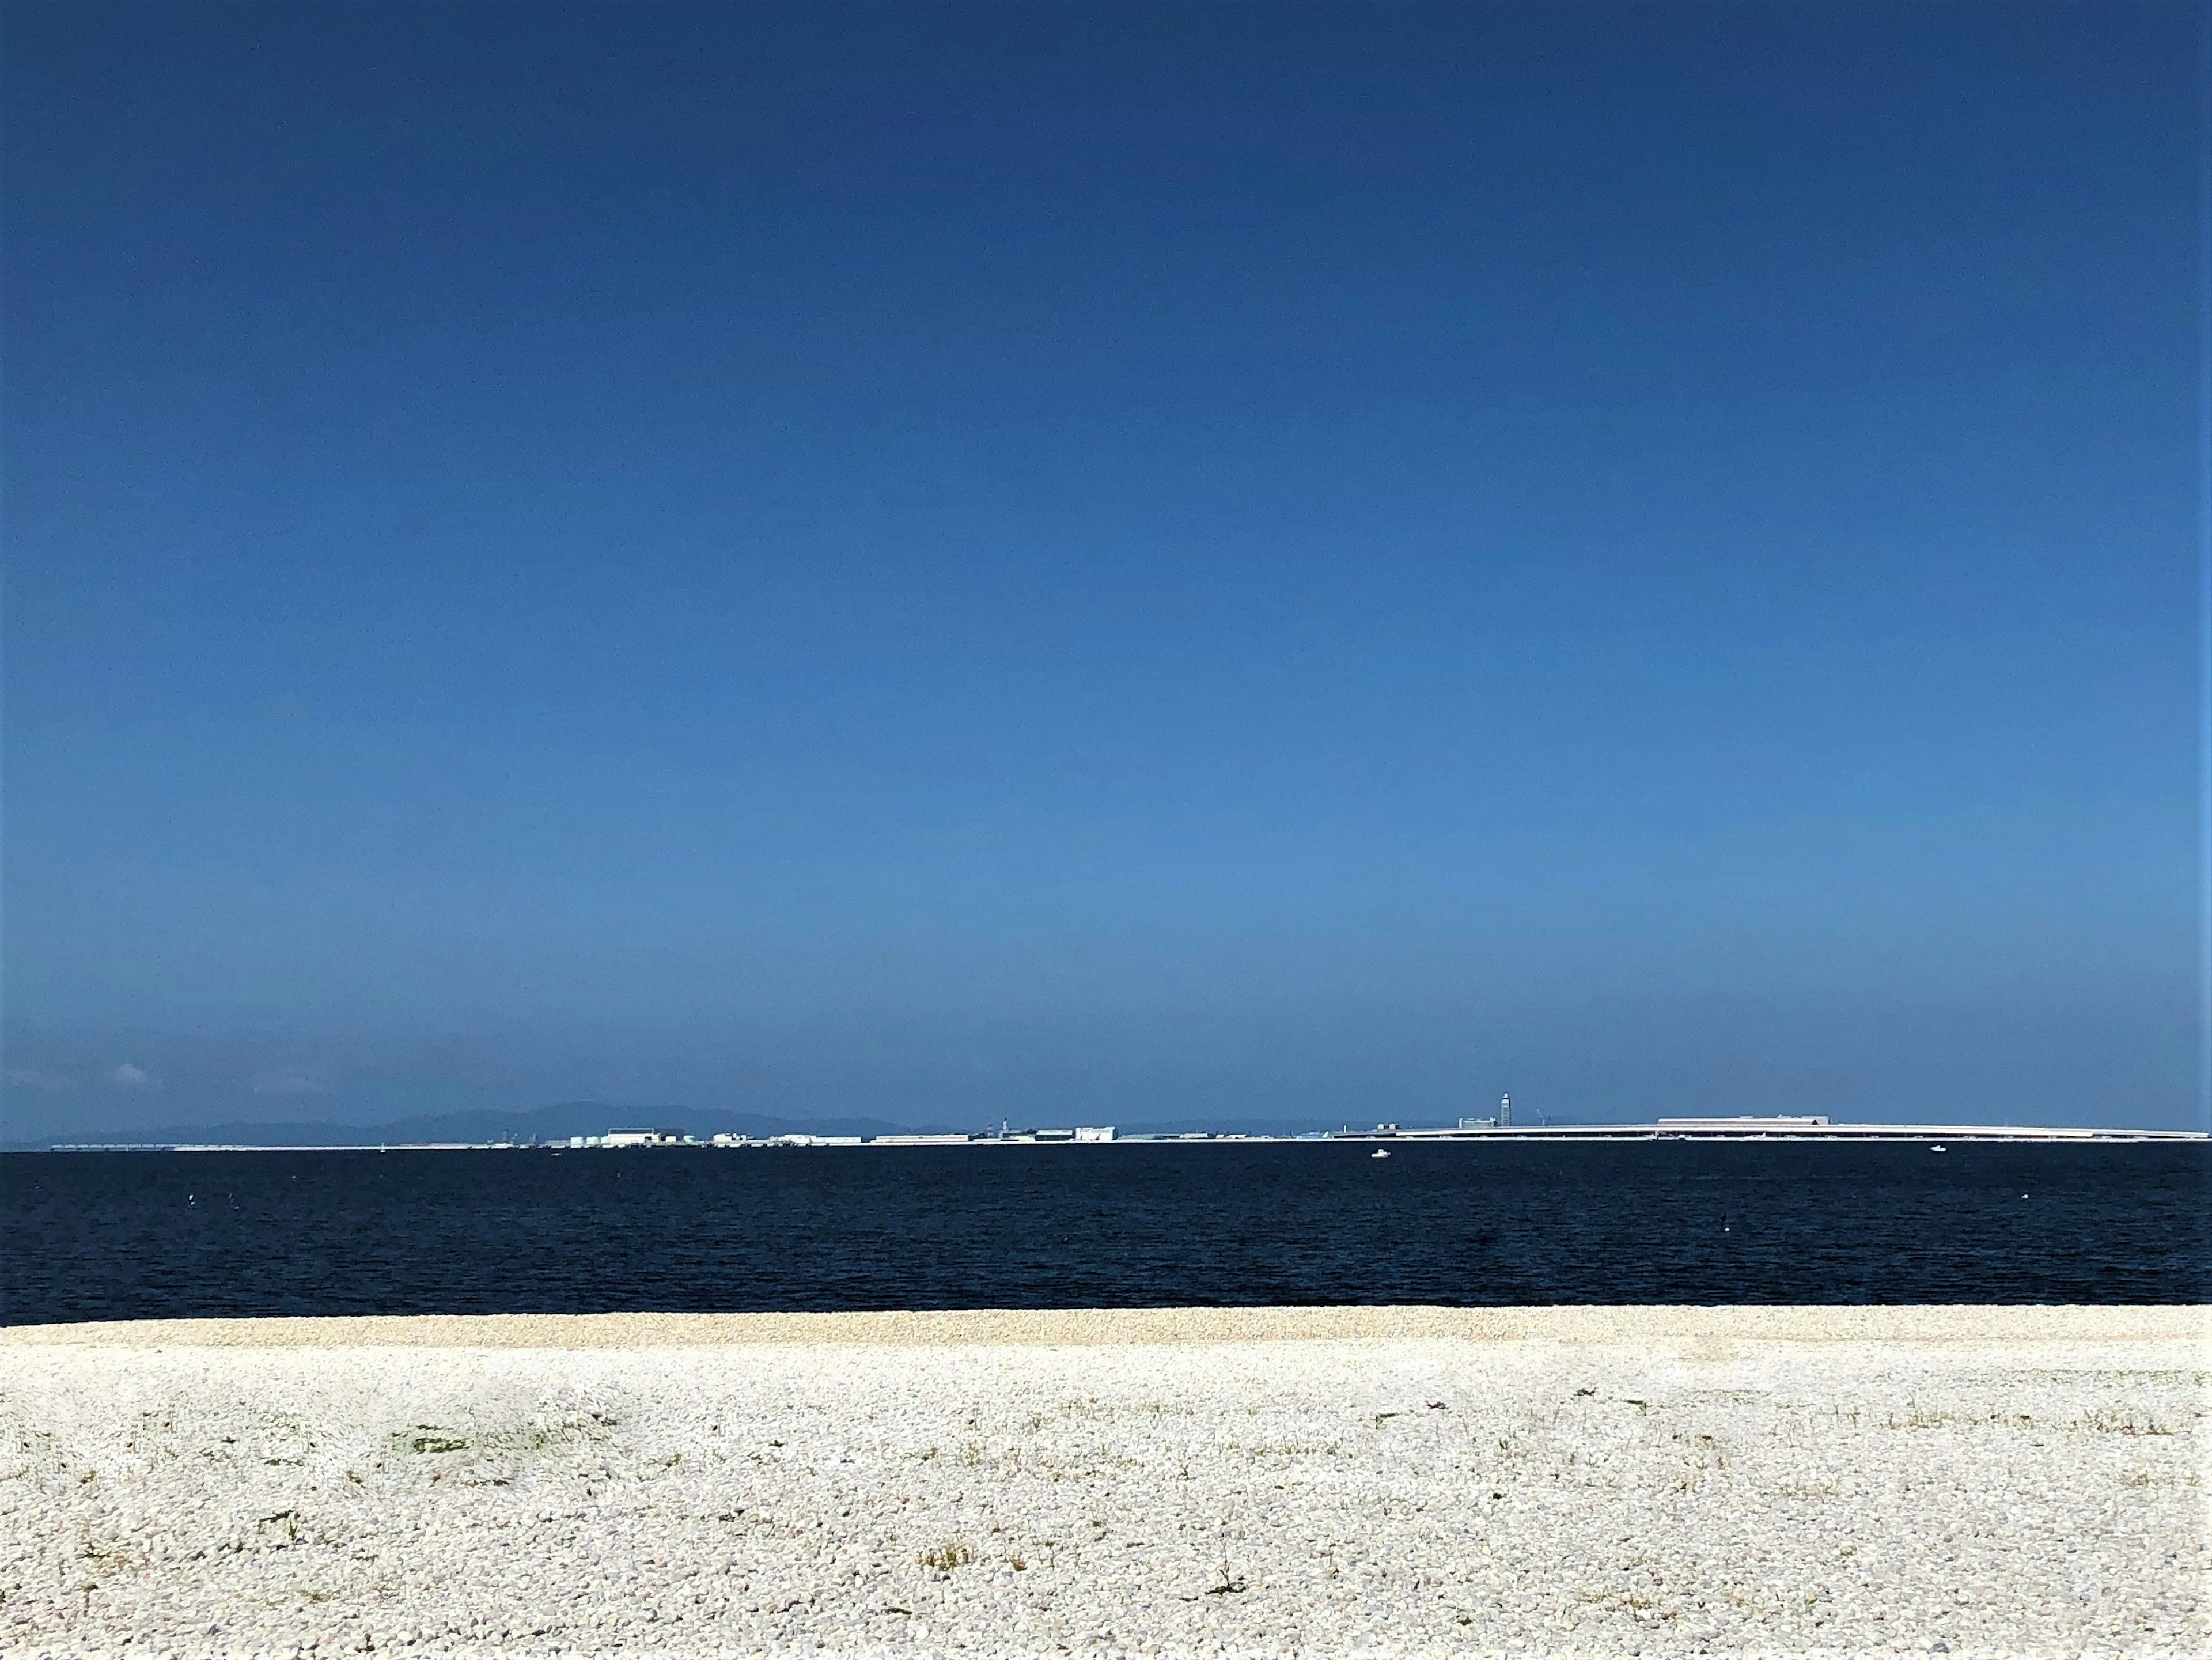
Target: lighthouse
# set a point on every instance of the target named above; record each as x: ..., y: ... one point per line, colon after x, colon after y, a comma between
x: 1506, y: 1111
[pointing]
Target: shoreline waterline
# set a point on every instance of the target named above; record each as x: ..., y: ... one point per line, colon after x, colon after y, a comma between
x: 1581, y: 1324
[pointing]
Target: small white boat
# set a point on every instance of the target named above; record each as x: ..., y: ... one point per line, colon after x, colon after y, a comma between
x: 1937, y: 1146
x: 1380, y: 1152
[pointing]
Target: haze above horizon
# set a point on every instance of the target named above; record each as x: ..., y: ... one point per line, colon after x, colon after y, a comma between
x: 1099, y: 562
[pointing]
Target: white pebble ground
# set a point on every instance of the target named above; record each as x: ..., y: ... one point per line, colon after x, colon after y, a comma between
x: 1562, y: 1481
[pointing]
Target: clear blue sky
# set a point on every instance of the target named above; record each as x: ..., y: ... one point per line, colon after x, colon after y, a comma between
x: 1100, y: 562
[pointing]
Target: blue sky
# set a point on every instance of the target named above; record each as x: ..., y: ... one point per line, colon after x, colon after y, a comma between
x: 1211, y: 561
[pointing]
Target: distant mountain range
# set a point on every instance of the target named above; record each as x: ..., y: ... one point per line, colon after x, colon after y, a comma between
x: 542, y: 1123
x: 557, y: 1124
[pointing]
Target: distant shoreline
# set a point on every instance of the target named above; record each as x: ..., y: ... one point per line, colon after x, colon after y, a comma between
x: 1686, y: 1129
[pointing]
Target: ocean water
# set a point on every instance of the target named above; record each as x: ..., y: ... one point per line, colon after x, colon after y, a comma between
x: 115, y: 1236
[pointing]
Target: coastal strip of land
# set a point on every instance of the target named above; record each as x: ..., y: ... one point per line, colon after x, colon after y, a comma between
x: 1966, y: 1480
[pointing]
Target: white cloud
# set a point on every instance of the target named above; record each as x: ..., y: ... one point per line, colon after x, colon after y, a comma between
x: 52, y: 1082
x: 131, y: 1077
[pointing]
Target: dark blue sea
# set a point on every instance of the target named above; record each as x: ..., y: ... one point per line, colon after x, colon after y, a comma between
x: 125, y: 1235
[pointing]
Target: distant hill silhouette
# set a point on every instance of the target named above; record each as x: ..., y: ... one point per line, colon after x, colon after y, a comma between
x: 542, y: 1123
x: 557, y: 1124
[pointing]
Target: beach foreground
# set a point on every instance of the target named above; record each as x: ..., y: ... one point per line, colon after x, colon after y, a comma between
x: 1584, y: 1481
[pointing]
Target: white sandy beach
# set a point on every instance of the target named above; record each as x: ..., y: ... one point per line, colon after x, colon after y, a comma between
x: 1567, y: 1482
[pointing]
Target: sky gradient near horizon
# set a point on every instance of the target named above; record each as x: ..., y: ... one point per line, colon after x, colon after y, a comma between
x: 1099, y: 561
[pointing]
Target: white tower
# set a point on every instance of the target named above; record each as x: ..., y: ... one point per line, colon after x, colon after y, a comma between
x: 1506, y: 1111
